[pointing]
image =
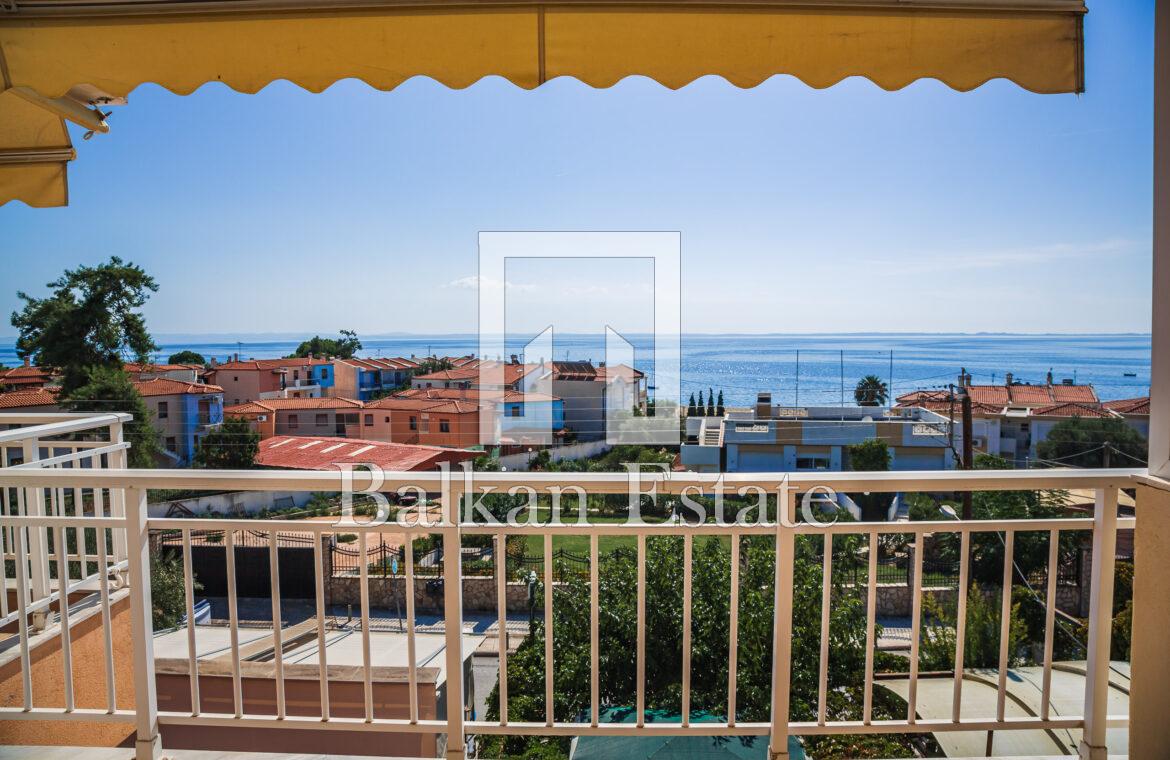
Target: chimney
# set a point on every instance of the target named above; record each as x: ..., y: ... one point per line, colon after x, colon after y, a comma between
x: 1050, y: 377
x: 1008, y: 379
x: 214, y: 362
x: 763, y: 406
x: 515, y: 359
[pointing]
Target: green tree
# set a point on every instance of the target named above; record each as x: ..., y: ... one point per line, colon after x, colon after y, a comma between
x: 187, y: 357
x: 701, y: 409
x: 871, y: 456
x: 433, y: 364
x: 91, y: 319
x: 343, y: 348
x: 871, y: 391
x: 168, y: 596
x: 691, y: 406
x: 710, y: 636
x: 710, y: 403
x: 231, y: 446
x: 981, y: 639
x: 719, y: 409
x: 1082, y: 442
x: 109, y: 389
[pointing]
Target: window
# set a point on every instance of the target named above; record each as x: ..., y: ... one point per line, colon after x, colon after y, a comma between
x: 163, y: 410
x: 426, y: 424
x: 236, y: 379
x: 324, y: 373
x: 444, y: 426
x: 292, y: 421
x: 322, y: 419
x: 369, y: 419
x: 172, y: 444
x: 296, y: 374
x: 812, y: 463
x: 387, y: 418
x: 515, y: 410
x: 413, y: 423
x: 350, y: 419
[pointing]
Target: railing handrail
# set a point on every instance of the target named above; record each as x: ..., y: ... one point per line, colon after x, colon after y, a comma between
x: 592, y: 482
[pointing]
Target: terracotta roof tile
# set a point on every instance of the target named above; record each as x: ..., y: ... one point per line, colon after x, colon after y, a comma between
x: 270, y: 364
x: 325, y: 402
x: 135, y: 367
x: 164, y: 386
x: 29, y: 398
x: 1140, y: 405
x: 1069, y: 410
x: 312, y: 453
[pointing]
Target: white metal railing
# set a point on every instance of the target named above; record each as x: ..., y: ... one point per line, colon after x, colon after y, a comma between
x: 118, y: 504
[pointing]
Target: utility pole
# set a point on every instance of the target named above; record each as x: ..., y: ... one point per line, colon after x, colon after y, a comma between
x: 1108, y: 458
x: 968, y: 449
x: 842, y: 385
x: 891, y: 388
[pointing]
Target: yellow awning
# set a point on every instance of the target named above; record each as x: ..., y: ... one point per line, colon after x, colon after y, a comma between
x: 49, y: 46
x: 34, y: 151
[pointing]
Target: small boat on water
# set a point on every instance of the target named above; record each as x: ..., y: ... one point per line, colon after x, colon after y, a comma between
x: 1131, y: 374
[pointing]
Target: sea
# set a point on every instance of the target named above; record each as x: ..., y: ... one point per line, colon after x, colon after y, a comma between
x: 798, y: 370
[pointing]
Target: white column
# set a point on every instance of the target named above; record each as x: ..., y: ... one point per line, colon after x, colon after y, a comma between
x: 148, y: 744
x: 1149, y: 694
x: 1160, y: 368
x: 1097, y: 671
x: 38, y: 545
x: 782, y: 627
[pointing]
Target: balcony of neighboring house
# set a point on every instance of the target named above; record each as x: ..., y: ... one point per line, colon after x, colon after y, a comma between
x: 357, y: 666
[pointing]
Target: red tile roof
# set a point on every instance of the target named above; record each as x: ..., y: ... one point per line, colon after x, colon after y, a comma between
x: 18, y: 376
x: 164, y: 386
x: 273, y: 404
x: 269, y: 364
x: 250, y: 407
x: 312, y: 453
x: 1069, y: 410
x: 1140, y: 405
x: 444, y: 406
x: 1017, y: 394
x: 27, y: 398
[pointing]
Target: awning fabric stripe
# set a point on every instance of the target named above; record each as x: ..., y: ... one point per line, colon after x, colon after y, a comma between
x: 34, y: 151
x: 116, y: 45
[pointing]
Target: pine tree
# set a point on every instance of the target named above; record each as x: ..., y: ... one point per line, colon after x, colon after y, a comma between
x: 719, y: 410
x: 710, y: 403
x: 701, y: 410
x: 691, y: 406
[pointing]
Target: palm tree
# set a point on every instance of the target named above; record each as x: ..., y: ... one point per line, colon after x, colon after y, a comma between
x: 871, y: 391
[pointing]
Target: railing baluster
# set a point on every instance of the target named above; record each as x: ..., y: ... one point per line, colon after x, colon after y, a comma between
x: 453, y: 621
x: 108, y: 643
x: 412, y: 665
x: 322, y: 663
x: 1005, y: 622
x: 502, y: 621
x: 640, y: 671
x: 367, y: 676
x: 961, y: 623
x: 233, y: 621
x: 733, y: 632
x: 277, y: 617
x: 782, y: 627
x: 826, y: 591
x: 686, y: 631
x: 1100, y: 625
x: 66, y: 635
x: 22, y: 593
x: 548, y: 631
x: 147, y: 744
x: 594, y: 631
x: 1050, y: 621
x: 915, y: 628
x: 189, y: 598
x: 7, y: 535
x: 870, y: 626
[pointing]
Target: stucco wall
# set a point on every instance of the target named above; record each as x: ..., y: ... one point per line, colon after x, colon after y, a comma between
x: 89, y: 681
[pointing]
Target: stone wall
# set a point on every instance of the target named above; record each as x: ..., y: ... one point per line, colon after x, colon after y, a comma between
x: 897, y: 600
x: 479, y: 594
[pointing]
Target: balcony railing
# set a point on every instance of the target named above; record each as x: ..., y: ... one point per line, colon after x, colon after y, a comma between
x: 73, y: 479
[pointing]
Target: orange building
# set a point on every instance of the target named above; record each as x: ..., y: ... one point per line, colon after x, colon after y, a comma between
x: 431, y: 422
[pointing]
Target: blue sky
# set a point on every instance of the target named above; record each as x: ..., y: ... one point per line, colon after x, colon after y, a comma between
x: 847, y: 209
